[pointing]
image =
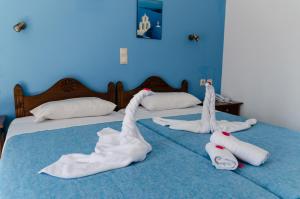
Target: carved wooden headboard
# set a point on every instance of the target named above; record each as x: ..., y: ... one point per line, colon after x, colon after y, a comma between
x: 154, y: 83
x: 64, y: 89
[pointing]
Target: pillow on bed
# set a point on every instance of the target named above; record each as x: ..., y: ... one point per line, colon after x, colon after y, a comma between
x: 169, y: 100
x: 72, y: 108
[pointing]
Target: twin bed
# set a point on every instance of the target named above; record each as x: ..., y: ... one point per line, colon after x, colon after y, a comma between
x: 177, y: 167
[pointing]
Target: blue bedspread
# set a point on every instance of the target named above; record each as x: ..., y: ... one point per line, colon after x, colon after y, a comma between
x: 170, y: 171
x: 280, y: 174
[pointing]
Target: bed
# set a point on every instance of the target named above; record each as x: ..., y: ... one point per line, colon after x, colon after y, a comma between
x: 280, y: 175
x: 170, y: 170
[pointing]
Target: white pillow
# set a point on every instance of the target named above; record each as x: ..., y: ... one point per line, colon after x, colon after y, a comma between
x: 72, y: 108
x: 169, y: 100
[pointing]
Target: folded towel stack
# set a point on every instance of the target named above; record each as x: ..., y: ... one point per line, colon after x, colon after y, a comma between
x: 232, y: 146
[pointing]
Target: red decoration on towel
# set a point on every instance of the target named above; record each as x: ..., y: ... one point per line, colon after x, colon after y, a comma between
x: 226, y: 133
x: 147, y: 89
x: 241, y: 165
x: 220, y: 147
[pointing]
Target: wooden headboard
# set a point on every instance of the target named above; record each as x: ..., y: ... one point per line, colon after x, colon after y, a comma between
x: 64, y: 89
x: 154, y: 83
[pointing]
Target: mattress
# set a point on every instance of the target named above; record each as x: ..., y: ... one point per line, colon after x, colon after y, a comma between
x: 169, y: 171
x: 280, y: 174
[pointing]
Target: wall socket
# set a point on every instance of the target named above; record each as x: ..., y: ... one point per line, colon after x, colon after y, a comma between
x: 202, y: 82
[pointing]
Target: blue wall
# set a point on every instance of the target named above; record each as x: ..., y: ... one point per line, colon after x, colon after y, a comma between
x: 81, y: 39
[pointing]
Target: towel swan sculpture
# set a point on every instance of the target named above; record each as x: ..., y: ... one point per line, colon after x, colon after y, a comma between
x: 113, y: 150
x: 208, y: 122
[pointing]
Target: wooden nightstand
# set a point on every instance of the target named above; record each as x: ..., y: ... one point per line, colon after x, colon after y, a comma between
x: 229, y: 107
x: 2, y: 133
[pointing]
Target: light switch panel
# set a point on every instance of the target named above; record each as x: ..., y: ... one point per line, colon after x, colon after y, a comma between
x: 123, y: 56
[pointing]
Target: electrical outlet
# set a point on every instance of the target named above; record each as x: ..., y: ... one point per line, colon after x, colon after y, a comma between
x: 202, y: 82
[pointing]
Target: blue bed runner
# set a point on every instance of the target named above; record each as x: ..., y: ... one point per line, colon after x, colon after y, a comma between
x: 280, y: 174
x: 170, y: 171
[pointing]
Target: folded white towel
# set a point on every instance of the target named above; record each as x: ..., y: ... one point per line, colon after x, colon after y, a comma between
x: 227, y: 126
x: 208, y: 122
x: 244, y: 151
x: 196, y: 126
x: 221, y: 157
x: 114, y: 149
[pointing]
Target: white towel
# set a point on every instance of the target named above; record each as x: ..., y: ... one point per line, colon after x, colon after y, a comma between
x: 114, y: 149
x: 208, y: 122
x: 227, y: 126
x: 221, y: 157
x: 196, y: 126
x: 244, y: 151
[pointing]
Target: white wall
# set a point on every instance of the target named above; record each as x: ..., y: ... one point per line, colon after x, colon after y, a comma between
x: 261, y: 65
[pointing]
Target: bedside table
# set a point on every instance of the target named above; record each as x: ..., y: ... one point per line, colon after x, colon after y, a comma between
x: 229, y: 107
x: 2, y: 133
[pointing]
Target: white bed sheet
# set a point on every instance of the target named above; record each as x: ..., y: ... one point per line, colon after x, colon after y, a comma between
x: 143, y: 113
x: 27, y: 125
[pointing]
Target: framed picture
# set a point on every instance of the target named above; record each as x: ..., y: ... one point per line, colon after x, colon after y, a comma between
x: 149, y: 19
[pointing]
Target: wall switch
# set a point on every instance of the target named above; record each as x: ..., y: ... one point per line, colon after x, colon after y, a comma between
x: 202, y: 82
x: 123, y: 56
